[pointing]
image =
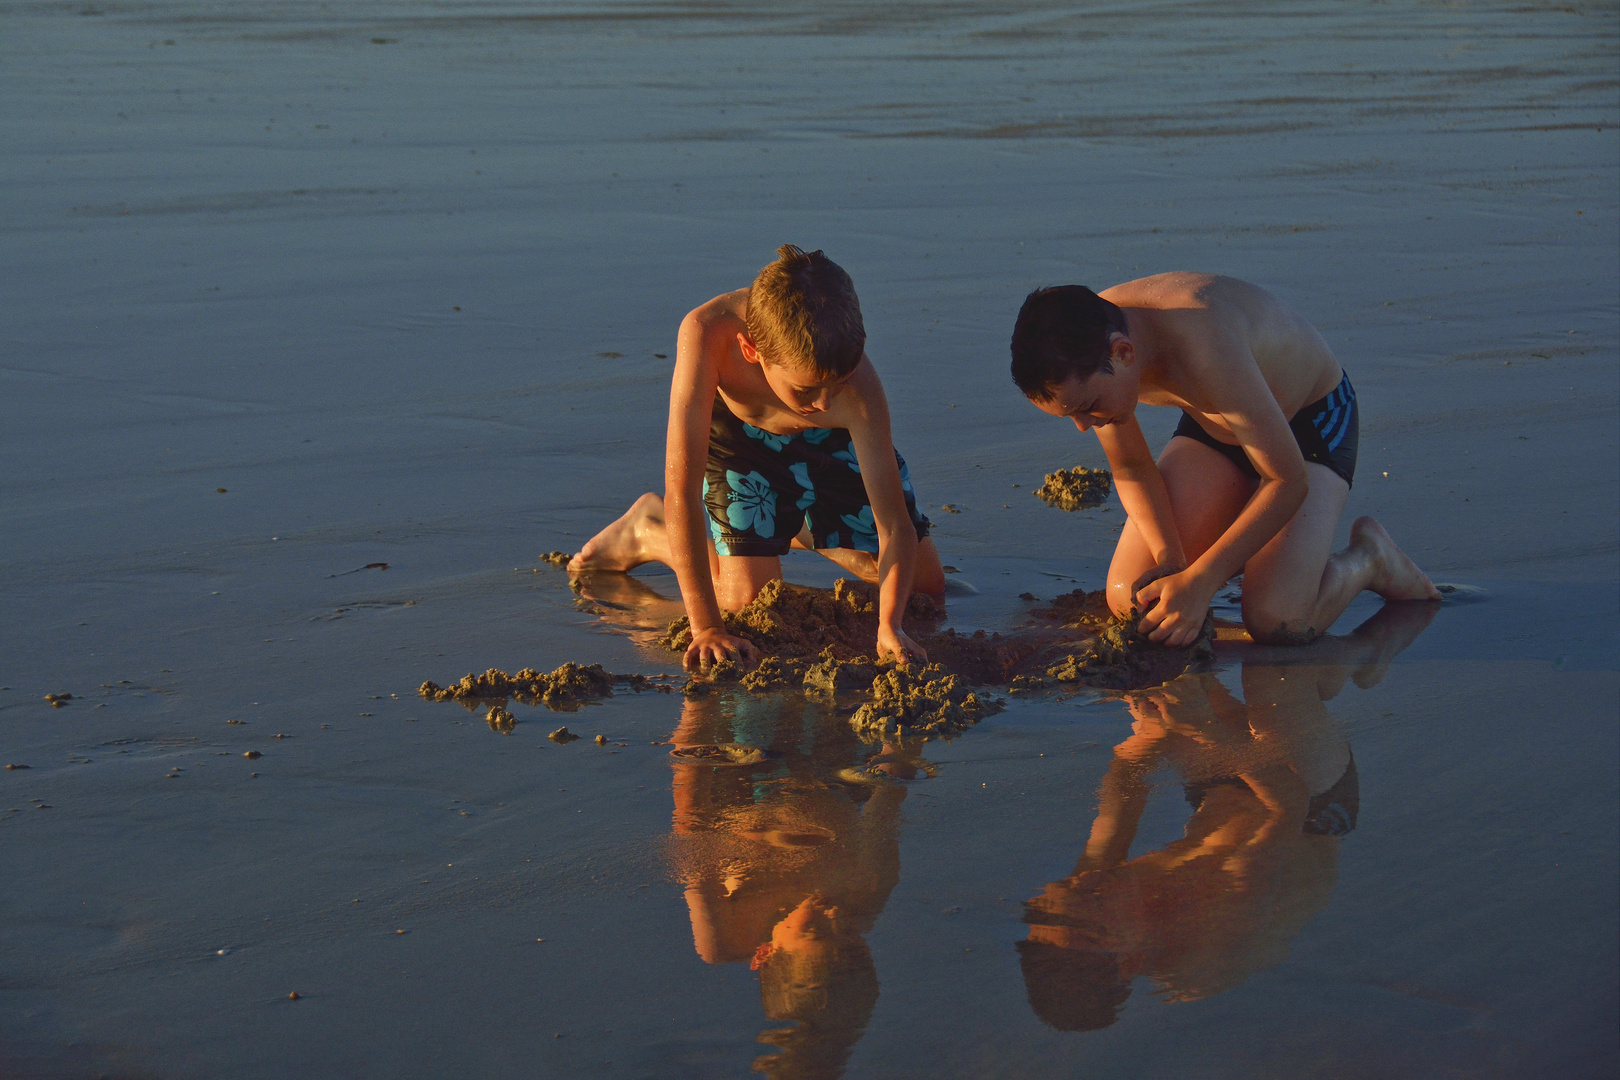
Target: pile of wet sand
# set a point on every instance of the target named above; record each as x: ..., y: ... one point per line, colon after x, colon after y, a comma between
x: 1119, y: 657
x: 817, y: 642
x: 562, y: 690
x: 568, y: 685
x: 921, y: 703
x: 1078, y: 488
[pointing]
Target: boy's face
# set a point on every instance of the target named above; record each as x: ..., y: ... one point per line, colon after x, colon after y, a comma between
x: 800, y: 390
x: 1103, y: 398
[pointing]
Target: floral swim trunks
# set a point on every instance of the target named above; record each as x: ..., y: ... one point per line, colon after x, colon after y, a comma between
x: 760, y: 489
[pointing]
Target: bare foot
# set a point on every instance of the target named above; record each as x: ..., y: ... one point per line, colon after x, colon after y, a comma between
x: 1385, y: 636
x: 1397, y: 577
x: 635, y: 538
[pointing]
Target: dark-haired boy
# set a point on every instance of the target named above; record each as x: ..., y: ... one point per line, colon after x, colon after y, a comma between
x: 1257, y: 473
x: 778, y: 437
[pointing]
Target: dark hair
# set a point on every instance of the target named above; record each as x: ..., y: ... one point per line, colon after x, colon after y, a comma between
x: 803, y: 312
x: 1062, y: 331
x: 1072, y: 990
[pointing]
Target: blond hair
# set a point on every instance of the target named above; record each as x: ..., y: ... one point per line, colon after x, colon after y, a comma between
x: 803, y: 313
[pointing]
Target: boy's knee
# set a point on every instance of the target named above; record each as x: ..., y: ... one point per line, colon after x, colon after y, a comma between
x: 1119, y: 598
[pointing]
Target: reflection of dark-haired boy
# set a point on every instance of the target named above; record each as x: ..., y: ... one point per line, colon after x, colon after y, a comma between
x: 1273, y: 786
x: 787, y: 864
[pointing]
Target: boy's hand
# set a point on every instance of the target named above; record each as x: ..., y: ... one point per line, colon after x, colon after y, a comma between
x: 894, y: 642
x: 714, y: 645
x: 1174, y: 609
x: 1163, y: 570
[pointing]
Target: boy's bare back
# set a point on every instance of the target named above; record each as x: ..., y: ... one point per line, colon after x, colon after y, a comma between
x: 1209, y: 329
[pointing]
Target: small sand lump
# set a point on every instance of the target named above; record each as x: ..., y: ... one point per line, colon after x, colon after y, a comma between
x: 563, y: 689
x: 907, y: 703
x: 556, y: 558
x: 1076, y: 489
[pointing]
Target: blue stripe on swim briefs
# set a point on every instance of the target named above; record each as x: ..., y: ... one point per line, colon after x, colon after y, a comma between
x: 1333, y: 428
x: 1326, y: 420
x: 1336, y: 424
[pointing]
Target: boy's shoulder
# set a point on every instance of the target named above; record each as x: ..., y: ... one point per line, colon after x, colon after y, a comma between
x: 726, y: 311
x: 1191, y: 296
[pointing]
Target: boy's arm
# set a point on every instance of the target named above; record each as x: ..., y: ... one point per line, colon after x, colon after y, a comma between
x: 686, y: 453
x: 1143, y: 495
x: 897, y: 536
x: 1231, y: 383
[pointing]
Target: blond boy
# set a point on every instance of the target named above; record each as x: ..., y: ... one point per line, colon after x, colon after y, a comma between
x: 1256, y: 475
x: 778, y: 438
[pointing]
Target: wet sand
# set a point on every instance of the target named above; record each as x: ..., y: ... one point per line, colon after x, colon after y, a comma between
x: 395, y: 278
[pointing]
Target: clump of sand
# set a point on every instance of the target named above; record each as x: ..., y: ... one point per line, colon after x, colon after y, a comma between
x: 556, y: 558
x: 775, y: 673
x: 500, y: 720
x: 797, y: 621
x: 1088, y: 610
x: 561, y: 690
x: 1078, y: 488
x: 1122, y: 658
x: 839, y: 627
x: 830, y: 675
x: 925, y: 703
x: 818, y: 642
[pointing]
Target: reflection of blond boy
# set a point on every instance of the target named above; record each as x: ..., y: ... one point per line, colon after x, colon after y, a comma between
x: 816, y: 969
x: 790, y: 883
x: 778, y: 438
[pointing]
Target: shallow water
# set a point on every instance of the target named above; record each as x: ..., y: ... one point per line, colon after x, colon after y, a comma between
x: 394, y: 276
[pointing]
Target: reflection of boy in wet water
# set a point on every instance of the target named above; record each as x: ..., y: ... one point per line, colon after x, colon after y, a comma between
x: 1257, y: 473
x: 1272, y: 784
x: 778, y: 438
x: 788, y: 869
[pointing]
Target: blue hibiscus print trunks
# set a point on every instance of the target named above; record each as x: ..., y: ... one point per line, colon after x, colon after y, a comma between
x: 760, y: 489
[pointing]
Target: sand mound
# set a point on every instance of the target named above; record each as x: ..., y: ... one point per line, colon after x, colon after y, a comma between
x: 911, y: 703
x: 796, y: 621
x: 1076, y: 489
x: 1122, y: 658
x: 838, y: 628
x: 775, y: 673
x: 818, y: 642
x: 832, y: 675
x: 1080, y: 608
x: 561, y: 690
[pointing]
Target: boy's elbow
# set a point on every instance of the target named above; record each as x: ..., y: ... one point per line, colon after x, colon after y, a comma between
x: 1295, y: 490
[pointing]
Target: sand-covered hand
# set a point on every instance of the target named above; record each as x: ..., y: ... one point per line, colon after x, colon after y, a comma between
x: 714, y: 645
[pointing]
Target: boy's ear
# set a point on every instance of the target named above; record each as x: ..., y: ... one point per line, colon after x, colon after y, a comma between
x: 750, y: 352
x: 1120, y: 350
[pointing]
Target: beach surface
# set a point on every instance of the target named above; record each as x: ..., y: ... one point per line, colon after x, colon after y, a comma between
x: 325, y: 321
